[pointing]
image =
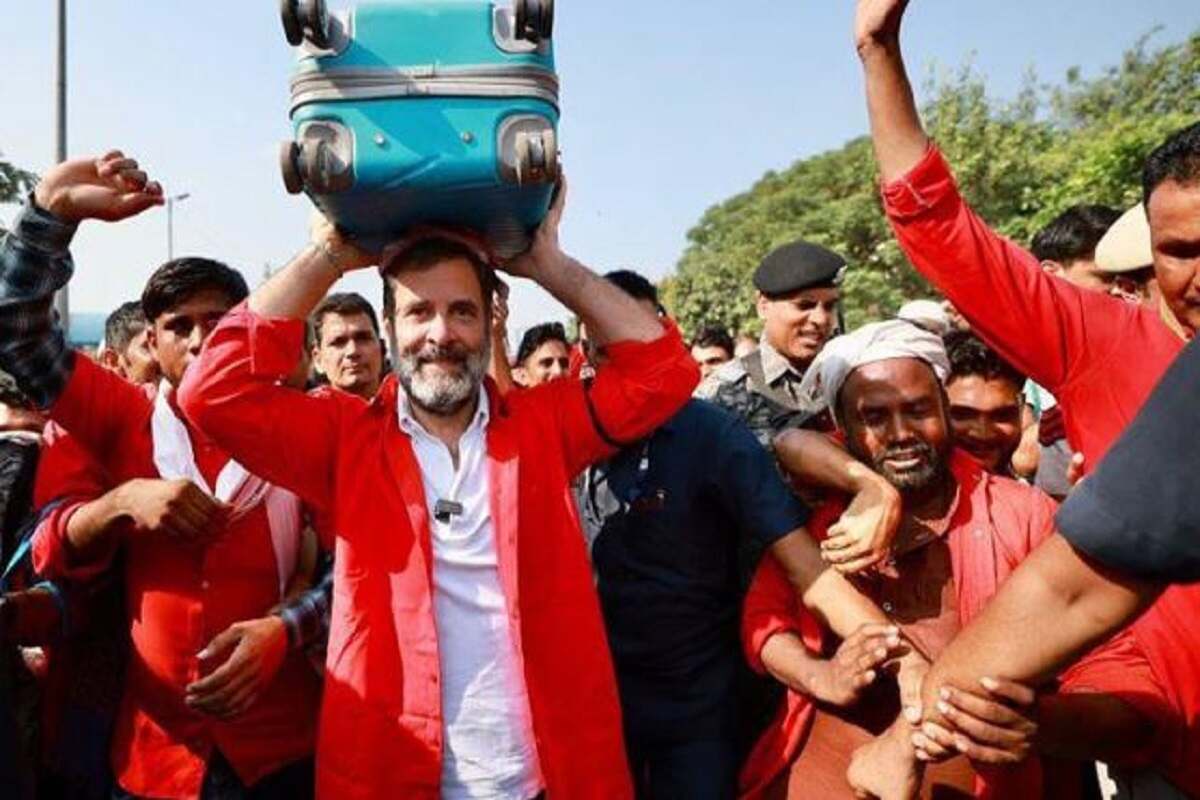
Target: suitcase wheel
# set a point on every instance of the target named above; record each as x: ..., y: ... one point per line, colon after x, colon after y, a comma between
x: 534, y: 19
x: 293, y: 31
x: 289, y: 157
x: 537, y: 157
x: 314, y: 18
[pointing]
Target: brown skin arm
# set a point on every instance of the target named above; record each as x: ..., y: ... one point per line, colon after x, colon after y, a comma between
x: 1087, y: 603
x: 864, y: 534
x: 900, y: 141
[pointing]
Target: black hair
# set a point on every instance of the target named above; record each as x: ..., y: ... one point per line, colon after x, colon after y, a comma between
x: 11, y: 394
x: 177, y: 281
x: 970, y: 356
x: 1074, y: 234
x: 714, y: 336
x: 537, y: 336
x: 124, y: 324
x: 634, y: 285
x: 424, y: 254
x: 344, y: 304
x: 1176, y: 159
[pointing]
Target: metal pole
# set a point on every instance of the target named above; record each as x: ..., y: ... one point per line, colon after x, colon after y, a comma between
x: 170, y: 229
x: 61, y: 301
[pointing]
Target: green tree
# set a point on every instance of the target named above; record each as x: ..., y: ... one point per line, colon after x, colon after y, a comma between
x: 1019, y: 163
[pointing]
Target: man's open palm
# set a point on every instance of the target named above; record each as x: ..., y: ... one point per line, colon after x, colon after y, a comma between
x: 109, y: 188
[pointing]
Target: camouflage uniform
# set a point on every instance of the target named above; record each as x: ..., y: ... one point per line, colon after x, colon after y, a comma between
x: 762, y: 388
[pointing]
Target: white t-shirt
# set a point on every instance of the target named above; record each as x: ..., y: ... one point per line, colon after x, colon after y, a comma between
x: 488, y: 729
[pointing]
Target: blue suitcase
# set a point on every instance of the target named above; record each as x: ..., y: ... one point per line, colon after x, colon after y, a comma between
x: 425, y: 112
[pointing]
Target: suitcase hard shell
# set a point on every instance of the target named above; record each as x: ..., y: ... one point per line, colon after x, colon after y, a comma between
x: 425, y: 112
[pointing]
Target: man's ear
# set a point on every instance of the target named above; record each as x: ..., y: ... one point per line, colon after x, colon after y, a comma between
x: 152, y: 341
x: 760, y: 305
x: 1054, y: 267
x: 109, y: 359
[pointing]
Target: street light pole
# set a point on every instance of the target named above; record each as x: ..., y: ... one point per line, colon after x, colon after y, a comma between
x: 61, y: 302
x: 171, y: 201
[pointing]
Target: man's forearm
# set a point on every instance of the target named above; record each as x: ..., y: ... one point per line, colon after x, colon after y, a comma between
x: 1090, y: 727
x: 816, y: 461
x: 1054, y: 584
x: 823, y: 591
x: 787, y: 660
x: 294, y: 291
x: 610, y: 314
x: 94, y: 529
x: 900, y: 141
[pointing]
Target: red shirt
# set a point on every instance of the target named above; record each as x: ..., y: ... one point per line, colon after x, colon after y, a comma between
x: 177, y: 598
x: 381, y: 724
x: 1099, y: 355
x: 996, y: 524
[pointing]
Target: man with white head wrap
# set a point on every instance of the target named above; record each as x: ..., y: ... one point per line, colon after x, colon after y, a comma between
x: 961, y: 532
x: 878, y: 341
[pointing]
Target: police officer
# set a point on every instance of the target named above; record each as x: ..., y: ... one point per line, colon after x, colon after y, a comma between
x: 798, y: 302
x: 667, y: 517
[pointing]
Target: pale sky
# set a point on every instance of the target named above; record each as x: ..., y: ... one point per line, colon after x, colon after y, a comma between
x: 668, y: 107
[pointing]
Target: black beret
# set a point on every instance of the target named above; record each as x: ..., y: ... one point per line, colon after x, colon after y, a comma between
x: 797, y: 266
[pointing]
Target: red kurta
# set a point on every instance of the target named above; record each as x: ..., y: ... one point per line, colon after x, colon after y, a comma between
x: 1099, y: 355
x: 381, y: 724
x: 997, y: 523
x: 178, y: 598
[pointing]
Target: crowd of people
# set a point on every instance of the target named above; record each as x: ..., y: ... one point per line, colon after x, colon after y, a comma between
x: 271, y: 545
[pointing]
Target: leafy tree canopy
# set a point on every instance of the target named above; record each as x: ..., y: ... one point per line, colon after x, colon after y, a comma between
x: 1019, y: 162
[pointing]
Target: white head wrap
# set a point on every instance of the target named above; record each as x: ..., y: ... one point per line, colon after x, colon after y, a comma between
x: 878, y: 341
x: 928, y: 314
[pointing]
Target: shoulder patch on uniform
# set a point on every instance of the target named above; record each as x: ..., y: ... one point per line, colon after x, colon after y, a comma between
x: 729, y: 372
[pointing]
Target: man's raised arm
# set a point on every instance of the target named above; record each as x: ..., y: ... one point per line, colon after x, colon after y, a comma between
x: 648, y: 373
x: 35, y: 262
x: 1036, y: 322
x: 235, y: 391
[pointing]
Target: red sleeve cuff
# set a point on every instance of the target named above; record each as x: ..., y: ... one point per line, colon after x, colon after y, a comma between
x: 924, y: 186
x: 51, y: 558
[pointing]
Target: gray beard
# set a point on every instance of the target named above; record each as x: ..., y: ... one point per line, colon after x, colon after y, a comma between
x: 443, y: 395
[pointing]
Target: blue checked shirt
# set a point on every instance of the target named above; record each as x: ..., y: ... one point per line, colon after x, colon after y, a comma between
x: 35, y: 262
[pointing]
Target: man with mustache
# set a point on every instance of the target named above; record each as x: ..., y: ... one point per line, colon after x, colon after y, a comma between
x: 467, y: 655
x: 1064, y: 337
x: 347, y: 347
x: 961, y: 533
x: 207, y: 548
x: 798, y: 303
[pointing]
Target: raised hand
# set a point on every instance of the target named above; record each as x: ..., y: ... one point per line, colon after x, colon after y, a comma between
x: 877, y: 22
x: 544, y: 251
x: 341, y: 253
x: 110, y: 188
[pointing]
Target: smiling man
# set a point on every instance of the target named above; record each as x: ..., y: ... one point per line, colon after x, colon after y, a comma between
x: 798, y: 299
x: 198, y: 562
x: 467, y: 655
x: 962, y: 531
x: 986, y: 402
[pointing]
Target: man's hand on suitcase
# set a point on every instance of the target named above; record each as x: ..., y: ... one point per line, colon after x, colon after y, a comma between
x: 341, y: 252
x: 109, y: 188
x: 543, y: 253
